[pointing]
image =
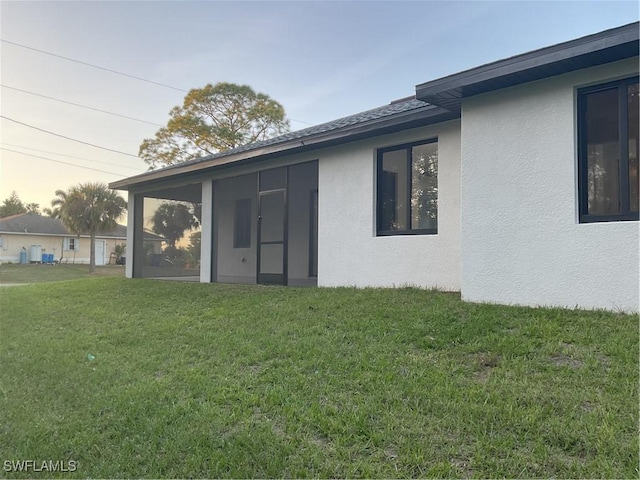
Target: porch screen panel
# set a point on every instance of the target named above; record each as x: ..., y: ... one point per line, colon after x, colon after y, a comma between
x: 633, y: 129
x: 272, y: 218
x: 272, y: 258
x: 273, y: 179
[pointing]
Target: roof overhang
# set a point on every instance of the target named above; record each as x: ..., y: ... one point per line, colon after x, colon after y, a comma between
x: 597, y: 49
x: 427, y: 115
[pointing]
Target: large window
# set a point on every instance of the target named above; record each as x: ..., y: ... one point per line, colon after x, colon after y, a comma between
x: 608, y: 151
x: 407, y: 195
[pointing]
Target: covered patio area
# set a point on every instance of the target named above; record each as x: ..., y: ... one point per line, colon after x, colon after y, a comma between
x: 257, y: 226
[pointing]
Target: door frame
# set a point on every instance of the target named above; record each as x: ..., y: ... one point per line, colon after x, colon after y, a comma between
x: 104, y: 249
x: 274, y: 278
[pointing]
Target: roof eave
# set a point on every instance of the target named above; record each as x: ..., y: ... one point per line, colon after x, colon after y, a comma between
x: 414, y: 118
x: 597, y: 49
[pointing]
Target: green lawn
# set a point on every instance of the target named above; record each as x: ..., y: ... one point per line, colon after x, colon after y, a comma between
x: 38, y: 273
x: 162, y: 379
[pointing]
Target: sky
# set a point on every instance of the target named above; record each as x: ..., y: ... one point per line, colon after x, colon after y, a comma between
x: 320, y: 60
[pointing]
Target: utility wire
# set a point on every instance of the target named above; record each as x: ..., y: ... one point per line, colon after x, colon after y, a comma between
x: 80, y: 105
x: 112, y: 71
x: 94, y: 66
x: 65, y: 163
x: 71, y: 156
x: 68, y: 138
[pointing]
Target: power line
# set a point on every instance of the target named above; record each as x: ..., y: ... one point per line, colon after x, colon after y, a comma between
x: 71, y: 156
x: 104, y: 111
x: 109, y: 70
x: 80, y: 105
x: 94, y: 66
x: 68, y: 138
x: 60, y: 161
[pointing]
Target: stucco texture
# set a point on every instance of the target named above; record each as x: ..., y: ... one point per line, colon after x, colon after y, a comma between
x: 350, y: 253
x: 522, y: 242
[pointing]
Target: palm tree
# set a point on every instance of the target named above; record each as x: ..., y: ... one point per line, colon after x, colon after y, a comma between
x: 89, y: 208
x: 52, y: 212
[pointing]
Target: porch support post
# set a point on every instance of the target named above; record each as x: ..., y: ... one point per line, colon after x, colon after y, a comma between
x: 206, y: 239
x: 135, y: 252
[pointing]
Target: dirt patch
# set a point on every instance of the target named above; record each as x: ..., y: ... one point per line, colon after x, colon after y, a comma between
x: 483, y: 363
x: 321, y: 441
x: 489, y: 360
x: 463, y: 466
x: 259, y: 418
x: 481, y: 376
x: 605, y: 361
x: 391, y: 453
x: 587, y: 406
x: 561, y: 360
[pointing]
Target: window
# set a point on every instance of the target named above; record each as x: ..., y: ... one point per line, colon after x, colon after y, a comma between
x: 242, y: 224
x: 407, y: 195
x: 72, y: 244
x: 608, y: 151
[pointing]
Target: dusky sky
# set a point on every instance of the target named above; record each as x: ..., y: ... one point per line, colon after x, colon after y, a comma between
x: 321, y: 60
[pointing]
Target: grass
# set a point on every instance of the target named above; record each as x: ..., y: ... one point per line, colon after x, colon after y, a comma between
x: 39, y: 273
x: 197, y: 380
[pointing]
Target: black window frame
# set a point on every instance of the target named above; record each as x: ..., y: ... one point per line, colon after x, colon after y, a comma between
x: 379, y: 179
x: 625, y: 213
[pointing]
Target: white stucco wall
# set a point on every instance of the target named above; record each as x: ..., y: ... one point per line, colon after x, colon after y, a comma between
x: 350, y: 253
x: 521, y: 240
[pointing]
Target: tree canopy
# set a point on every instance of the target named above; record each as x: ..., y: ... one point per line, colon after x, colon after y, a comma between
x: 89, y: 208
x: 12, y: 205
x: 33, y: 208
x: 171, y: 220
x: 214, y: 119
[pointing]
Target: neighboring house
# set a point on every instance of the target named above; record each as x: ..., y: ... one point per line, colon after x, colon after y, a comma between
x: 38, y: 234
x: 515, y: 182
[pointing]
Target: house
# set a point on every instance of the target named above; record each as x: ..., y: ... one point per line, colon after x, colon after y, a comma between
x: 514, y: 182
x: 38, y: 234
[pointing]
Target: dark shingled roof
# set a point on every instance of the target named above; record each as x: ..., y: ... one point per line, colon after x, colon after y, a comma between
x: 344, y: 122
x: 401, y: 114
x: 34, y: 224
